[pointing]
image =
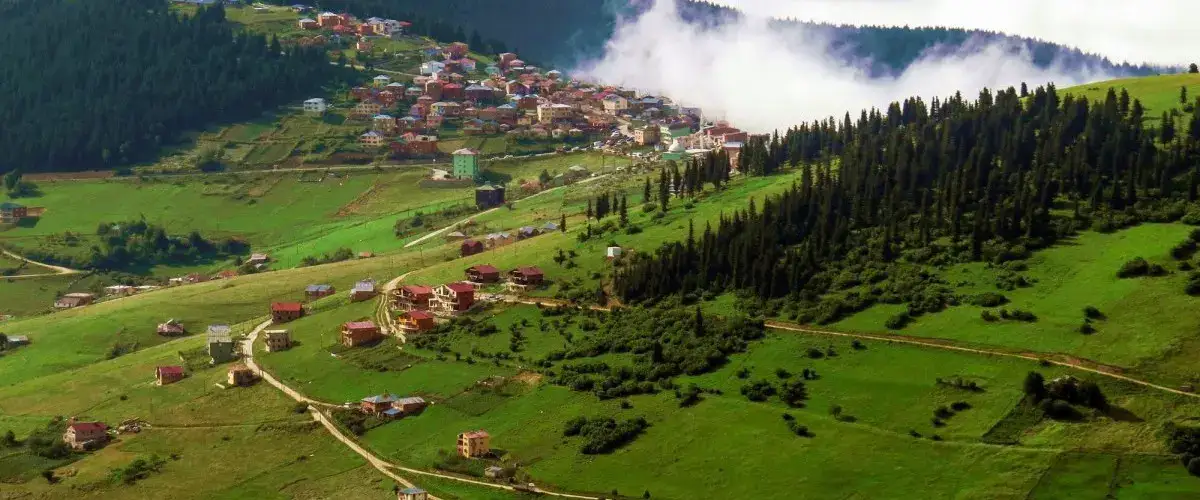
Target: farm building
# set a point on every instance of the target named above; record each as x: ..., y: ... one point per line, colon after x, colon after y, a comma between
x: 314, y: 292
x: 240, y: 375
x: 171, y: 328
x: 356, y: 333
x: 612, y: 252
x: 85, y: 435
x: 278, y: 340
x: 414, y: 297
x: 474, y: 444
x: 282, y: 312
x: 483, y: 273
x: 363, y: 290
x: 391, y: 406
x: 416, y: 321
x: 72, y: 300
x: 413, y: 494
x: 164, y: 375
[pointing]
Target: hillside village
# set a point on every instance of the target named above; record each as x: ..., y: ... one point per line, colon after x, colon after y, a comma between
x: 465, y: 276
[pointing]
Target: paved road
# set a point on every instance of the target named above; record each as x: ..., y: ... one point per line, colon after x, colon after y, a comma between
x: 490, y: 210
x: 316, y: 409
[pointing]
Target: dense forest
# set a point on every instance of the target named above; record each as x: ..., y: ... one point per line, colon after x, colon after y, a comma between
x: 881, y: 197
x: 97, y: 84
x: 568, y: 31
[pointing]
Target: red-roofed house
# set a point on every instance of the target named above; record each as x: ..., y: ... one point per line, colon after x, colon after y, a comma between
x: 453, y: 299
x: 414, y: 297
x: 85, y: 435
x: 282, y: 312
x: 526, y: 277
x: 471, y: 247
x: 416, y: 321
x: 483, y: 273
x: 164, y: 375
x: 356, y: 333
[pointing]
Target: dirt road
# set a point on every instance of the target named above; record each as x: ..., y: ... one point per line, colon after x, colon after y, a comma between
x: 58, y: 270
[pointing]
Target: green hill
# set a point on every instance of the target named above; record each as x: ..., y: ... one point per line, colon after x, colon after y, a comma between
x: 1157, y: 93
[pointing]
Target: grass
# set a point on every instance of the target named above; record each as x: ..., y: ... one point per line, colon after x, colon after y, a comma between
x: 1146, y: 318
x: 1157, y: 93
x: 25, y: 297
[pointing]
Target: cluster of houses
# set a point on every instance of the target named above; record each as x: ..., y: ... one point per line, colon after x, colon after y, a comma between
x: 422, y: 304
x: 472, y: 246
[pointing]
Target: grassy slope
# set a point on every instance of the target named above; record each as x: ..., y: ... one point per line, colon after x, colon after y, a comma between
x: 1147, y: 317
x: 1157, y: 93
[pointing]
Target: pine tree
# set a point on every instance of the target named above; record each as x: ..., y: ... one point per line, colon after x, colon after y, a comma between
x: 623, y: 211
x: 1183, y: 94
x: 562, y: 223
x: 589, y: 209
x: 664, y: 190
x: 646, y: 191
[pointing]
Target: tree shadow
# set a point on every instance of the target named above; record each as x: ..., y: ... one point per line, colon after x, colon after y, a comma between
x: 28, y: 222
x: 1123, y: 415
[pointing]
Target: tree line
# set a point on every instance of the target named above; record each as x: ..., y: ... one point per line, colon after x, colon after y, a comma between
x: 100, y: 84
x: 948, y: 181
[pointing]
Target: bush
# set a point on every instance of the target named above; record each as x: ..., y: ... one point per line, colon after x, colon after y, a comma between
x: 299, y: 407
x: 988, y: 316
x: 799, y: 430
x: 1134, y: 268
x: 1092, y: 313
x: 989, y: 299
x: 759, y: 390
x: 793, y: 393
x: 604, y: 434
x: 1058, y: 409
x: 897, y: 321
x: 960, y: 406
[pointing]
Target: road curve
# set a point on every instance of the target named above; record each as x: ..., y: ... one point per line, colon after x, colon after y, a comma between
x: 315, y: 408
x: 58, y: 270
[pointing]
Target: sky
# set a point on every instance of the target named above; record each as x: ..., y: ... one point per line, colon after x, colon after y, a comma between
x: 1153, y: 31
x: 761, y: 79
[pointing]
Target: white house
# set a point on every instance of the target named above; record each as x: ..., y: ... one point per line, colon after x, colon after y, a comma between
x: 382, y: 80
x: 431, y: 67
x: 613, y: 252
x: 315, y: 105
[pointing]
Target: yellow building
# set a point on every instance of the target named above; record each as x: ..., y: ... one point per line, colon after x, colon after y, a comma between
x: 549, y: 113
x: 646, y: 136
x: 473, y: 444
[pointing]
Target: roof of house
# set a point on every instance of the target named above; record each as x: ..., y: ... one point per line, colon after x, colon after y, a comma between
x: 476, y: 434
x: 412, y: 491
x: 318, y: 288
x: 360, y: 325
x: 88, y: 427
x: 418, y: 315
x: 471, y: 243
x: 417, y: 289
x: 456, y: 234
x: 461, y: 287
x: 370, y: 134
x: 529, y: 271
x: 364, y: 286
x: 170, y: 370
x: 466, y: 151
x: 391, y: 412
x: 18, y: 339
x: 550, y: 226
x: 379, y: 398
x: 484, y: 269
x: 287, y: 306
x: 219, y: 329
x: 412, y: 400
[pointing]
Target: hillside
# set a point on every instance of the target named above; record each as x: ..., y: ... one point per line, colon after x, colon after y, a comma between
x: 151, y: 75
x: 570, y: 31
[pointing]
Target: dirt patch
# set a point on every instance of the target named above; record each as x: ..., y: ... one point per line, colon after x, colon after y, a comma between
x: 529, y: 378
x: 356, y: 204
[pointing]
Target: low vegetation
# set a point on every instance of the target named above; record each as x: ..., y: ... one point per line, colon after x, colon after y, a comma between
x: 604, y: 434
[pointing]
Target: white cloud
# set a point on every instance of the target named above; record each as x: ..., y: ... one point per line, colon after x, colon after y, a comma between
x: 1154, y: 31
x: 761, y: 79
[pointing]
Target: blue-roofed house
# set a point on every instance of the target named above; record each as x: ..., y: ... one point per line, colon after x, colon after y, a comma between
x: 363, y: 290
x: 392, y: 406
x: 413, y: 494
x: 313, y: 292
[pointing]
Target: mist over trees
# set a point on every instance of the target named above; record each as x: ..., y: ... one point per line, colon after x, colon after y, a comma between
x: 87, y: 85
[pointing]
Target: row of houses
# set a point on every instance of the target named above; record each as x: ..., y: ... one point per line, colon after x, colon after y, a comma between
x: 472, y: 246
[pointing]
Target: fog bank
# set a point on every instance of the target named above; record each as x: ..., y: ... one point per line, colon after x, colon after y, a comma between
x: 762, y: 79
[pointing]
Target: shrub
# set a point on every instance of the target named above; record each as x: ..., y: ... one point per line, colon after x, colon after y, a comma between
x: 799, y: 430
x: 759, y: 390
x: 857, y: 345
x: 1134, y: 268
x: 989, y: 299
x: 960, y: 406
x: 1092, y: 313
x: 1058, y: 409
x: 604, y: 434
x: 1019, y: 315
x: 988, y: 316
x: 781, y: 373
x: 793, y: 393
x: 299, y: 407
x: 1086, y: 328
x: 897, y: 321
x: 743, y: 373
x: 814, y: 353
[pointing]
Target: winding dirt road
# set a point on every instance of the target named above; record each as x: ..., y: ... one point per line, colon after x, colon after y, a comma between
x: 58, y: 270
x: 317, y: 410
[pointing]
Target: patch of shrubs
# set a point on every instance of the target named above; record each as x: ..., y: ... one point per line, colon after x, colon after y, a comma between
x: 793, y: 393
x: 1193, y: 285
x: 604, y: 434
x: 799, y: 430
x: 960, y: 384
x: 1139, y: 267
x: 1090, y: 312
x: 759, y: 390
x: 989, y: 299
x: 1086, y: 327
x: 1057, y: 399
x: 898, y: 321
x: 1018, y: 315
x: 1184, y: 440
